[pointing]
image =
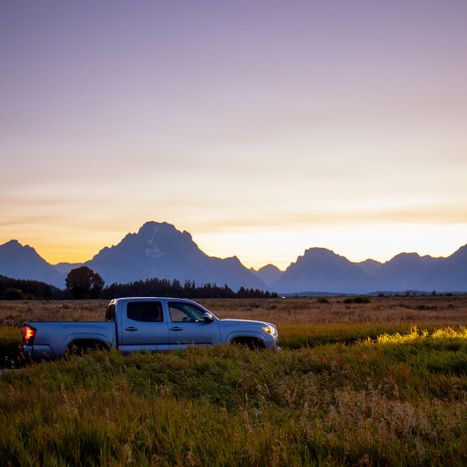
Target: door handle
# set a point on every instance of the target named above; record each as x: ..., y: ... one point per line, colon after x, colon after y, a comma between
x: 131, y: 329
x: 176, y: 328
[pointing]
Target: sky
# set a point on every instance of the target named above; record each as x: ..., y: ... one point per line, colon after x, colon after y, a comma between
x: 261, y: 127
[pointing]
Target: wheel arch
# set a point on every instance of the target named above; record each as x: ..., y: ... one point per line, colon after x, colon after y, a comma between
x: 87, y: 342
x: 245, y: 338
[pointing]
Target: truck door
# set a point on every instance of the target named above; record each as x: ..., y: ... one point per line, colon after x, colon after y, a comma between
x: 143, y: 327
x: 188, y: 326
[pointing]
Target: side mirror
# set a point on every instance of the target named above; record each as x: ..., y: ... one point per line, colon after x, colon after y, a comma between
x: 208, y: 318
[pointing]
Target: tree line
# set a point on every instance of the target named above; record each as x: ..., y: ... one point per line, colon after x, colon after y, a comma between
x: 174, y: 288
x: 84, y: 283
x: 24, y: 289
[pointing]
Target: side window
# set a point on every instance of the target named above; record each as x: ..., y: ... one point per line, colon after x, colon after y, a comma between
x: 145, y: 311
x: 185, y: 312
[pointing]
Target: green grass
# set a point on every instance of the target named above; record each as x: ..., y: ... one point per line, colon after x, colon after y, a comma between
x: 10, y: 338
x: 397, y: 400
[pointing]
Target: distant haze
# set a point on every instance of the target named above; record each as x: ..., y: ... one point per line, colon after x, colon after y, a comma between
x: 260, y: 127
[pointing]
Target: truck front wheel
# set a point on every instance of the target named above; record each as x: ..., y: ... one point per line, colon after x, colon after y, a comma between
x: 252, y: 343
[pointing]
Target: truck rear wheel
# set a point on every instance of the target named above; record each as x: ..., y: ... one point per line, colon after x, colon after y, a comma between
x: 82, y: 347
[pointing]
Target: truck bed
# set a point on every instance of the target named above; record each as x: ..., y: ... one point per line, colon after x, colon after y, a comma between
x: 53, y: 337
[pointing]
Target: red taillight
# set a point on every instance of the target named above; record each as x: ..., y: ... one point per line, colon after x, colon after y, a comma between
x: 28, y: 333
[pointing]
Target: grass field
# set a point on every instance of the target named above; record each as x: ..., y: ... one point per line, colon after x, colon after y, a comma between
x: 330, y: 397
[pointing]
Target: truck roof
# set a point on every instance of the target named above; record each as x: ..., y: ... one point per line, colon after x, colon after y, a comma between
x: 150, y: 298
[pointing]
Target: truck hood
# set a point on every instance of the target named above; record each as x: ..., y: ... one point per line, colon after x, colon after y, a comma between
x: 246, y: 321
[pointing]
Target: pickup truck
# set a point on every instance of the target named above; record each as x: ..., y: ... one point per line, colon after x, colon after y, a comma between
x: 144, y: 323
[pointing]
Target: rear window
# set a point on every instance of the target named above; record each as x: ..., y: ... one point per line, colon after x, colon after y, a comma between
x: 110, y: 313
x: 145, y: 311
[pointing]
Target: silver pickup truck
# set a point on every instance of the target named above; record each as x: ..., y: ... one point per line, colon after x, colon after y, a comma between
x: 146, y: 323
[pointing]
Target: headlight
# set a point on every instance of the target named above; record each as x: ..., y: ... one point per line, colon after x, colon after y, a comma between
x: 269, y: 330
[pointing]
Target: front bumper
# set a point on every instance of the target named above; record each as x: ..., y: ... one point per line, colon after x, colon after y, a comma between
x: 270, y: 341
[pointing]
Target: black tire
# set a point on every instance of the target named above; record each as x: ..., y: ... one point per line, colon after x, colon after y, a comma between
x: 253, y: 343
x: 83, y: 347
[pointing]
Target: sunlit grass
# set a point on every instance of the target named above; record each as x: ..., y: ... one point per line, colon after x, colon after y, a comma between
x: 418, y: 335
x: 311, y: 335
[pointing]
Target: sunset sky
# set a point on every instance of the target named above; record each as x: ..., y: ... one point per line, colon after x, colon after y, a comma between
x: 261, y: 127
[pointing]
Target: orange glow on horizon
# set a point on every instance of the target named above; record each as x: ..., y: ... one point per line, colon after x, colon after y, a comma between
x: 258, y: 247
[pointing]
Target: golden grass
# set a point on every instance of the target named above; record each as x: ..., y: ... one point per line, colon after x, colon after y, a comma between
x: 301, y: 321
x: 290, y: 311
x: 396, y: 396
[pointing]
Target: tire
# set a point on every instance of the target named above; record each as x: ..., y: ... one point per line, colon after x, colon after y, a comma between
x: 84, y: 347
x: 253, y: 343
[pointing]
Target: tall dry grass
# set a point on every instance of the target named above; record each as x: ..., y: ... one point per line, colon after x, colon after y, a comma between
x: 396, y: 399
x: 395, y: 402
x: 288, y: 311
x: 301, y: 321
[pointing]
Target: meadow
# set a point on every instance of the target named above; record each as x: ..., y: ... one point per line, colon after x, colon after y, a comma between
x: 378, y: 383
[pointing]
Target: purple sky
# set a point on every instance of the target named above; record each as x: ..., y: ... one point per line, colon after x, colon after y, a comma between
x: 262, y: 127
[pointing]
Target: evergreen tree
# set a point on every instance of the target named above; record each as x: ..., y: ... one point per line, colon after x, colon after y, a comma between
x: 83, y: 282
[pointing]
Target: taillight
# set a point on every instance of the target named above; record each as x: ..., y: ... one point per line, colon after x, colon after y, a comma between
x: 28, y: 334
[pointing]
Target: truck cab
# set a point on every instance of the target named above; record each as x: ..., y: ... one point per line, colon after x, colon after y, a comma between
x: 163, y: 324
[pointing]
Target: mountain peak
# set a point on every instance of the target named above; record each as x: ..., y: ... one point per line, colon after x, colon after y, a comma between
x: 160, y: 250
x: 461, y: 253
x: 369, y: 266
x: 15, y: 247
x: 321, y: 255
x: 269, y: 274
x: 153, y: 229
x: 268, y: 267
x: 13, y: 244
x: 23, y: 262
x: 151, y: 225
x: 319, y: 251
x: 233, y: 259
x: 405, y: 258
x: 369, y: 261
x: 322, y: 270
x: 153, y: 240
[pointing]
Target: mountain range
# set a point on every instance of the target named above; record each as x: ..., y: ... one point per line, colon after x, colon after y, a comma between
x: 160, y: 250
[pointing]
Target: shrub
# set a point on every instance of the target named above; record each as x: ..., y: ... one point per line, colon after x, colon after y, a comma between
x: 13, y: 294
x: 358, y: 300
x: 322, y: 300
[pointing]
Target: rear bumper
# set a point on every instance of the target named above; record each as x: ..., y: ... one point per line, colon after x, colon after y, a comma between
x: 37, y: 352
